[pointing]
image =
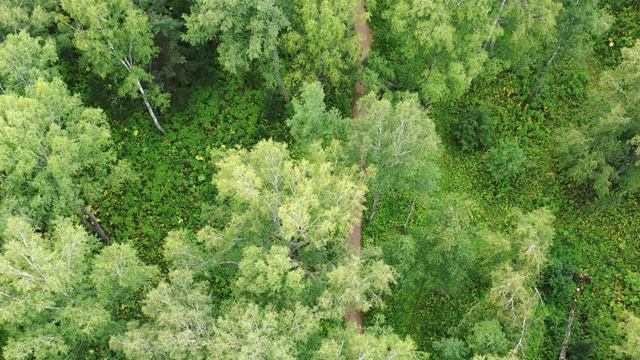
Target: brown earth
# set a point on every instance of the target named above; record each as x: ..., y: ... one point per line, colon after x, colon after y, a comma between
x: 363, y: 32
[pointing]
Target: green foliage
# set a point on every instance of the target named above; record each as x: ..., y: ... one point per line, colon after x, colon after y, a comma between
x: 487, y: 338
x: 271, y: 276
x: 399, y: 140
x: 321, y: 44
x: 450, y: 245
x: 451, y: 349
x: 118, y: 275
x: 474, y: 130
x: 249, y: 32
x: 311, y: 122
x: 168, y: 67
x: 23, y: 60
x: 115, y: 38
x: 377, y: 343
x: 602, y: 152
x: 449, y: 44
x: 32, y: 16
x: 55, y: 154
x: 180, y: 322
x: 54, y: 304
x: 247, y: 331
x: 506, y: 160
x: 292, y: 197
x: 630, y: 348
x: 357, y: 284
x: 465, y: 269
x: 623, y: 33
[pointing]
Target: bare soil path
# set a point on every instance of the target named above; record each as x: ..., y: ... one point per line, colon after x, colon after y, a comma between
x: 363, y: 32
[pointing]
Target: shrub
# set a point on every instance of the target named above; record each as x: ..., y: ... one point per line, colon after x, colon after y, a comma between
x: 506, y: 160
x: 475, y: 129
x: 487, y: 338
x: 450, y: 349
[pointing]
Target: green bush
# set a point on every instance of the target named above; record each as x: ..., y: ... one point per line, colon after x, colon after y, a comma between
x: 451, y: 349
x: 506, y: 160
x: 475, y: 129
x: 487, y: 338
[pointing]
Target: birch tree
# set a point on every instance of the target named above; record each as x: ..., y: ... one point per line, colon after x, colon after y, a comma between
x: 48, y: 306
x: 24, y: 59
x: 602, y: 151
x: 32, y: 16
x: 248, y: 31
x: 443, y: 42
x: 451, y: 43
x: 312, y: 122
x: 322, y: 44
x: 513, y: 293
x: 55, y: 156
x: 377, y: 343
x: 180, y: 322
x: 115, y: 38
x: 400, y: 141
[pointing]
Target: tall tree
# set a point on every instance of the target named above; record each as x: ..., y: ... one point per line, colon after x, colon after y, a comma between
x: 398, y: 140
x: 248, y: 32
x: 513, y: 293
x: 311, y: 121
x: 527, y: 29
x: 442, y: 41
x: 578, y: 23
x: 24, y: 59
x: 34, y: 16
x: 115, y: 37
x: 168, y: 67
x: 602, y: 152
x: 449, y: 43
x: 322, y: 44
x: 55, y: 155
x: 180, y: 323
x: 630, y: 348
x: 49, y: 308
x: 290, y: 218
x: 377, y: 343
x: 182, y: 326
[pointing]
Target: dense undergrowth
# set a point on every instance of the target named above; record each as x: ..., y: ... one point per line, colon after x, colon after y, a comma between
x: 591, y: 239
x: 174, y: 191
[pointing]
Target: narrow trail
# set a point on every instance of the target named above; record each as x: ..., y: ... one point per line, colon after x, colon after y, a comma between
x: 355, y: 237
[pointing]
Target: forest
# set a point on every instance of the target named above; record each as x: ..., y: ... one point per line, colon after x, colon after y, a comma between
x: 319, y: 179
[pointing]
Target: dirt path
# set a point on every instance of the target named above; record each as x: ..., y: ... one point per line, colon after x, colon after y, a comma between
x: 364, y: 33
x: 355, y: 237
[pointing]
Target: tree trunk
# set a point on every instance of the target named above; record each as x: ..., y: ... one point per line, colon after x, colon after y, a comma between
x: 630, y: 160
x: 565, y: 34
x: 413, y: 204
x: 153, y: 114
x: 96, y: 226
x: 375, y: 204
x: 567, y: 336
x: 495, y: 24
x: 283, y: 87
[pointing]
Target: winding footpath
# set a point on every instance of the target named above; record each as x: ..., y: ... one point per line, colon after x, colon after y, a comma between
x: 363, y: 32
